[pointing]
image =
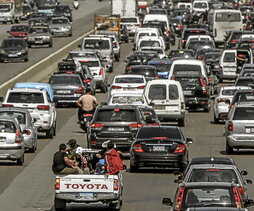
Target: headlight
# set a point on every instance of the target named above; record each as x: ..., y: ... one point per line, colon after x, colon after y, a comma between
x: 23, y: 51
x: 19, y: 53
x: 46, y: 38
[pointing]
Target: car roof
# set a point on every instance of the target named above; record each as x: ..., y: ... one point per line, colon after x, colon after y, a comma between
x: 212, y: 160
x: 188, y: 61
x: 117, y: 106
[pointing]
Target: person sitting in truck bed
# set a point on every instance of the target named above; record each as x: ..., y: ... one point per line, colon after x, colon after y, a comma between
x: 61, y: 162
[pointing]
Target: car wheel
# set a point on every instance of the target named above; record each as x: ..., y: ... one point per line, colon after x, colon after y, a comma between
x: 181, y: 122
x: 50, y: 44
x: 60, y: 204
x: 50, y: 133
x: 215, y: 119
x: 104, y: 88
x: 26, y: 59
x: 116, y: 206
x: 54, y: 132
x: 133, y: 169
x: 229, y: 149
x: 34, y: 148
x: 70, y: 35
x: 20, y: 161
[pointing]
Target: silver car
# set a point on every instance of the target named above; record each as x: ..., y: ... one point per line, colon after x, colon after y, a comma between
x: 39, y: 35
x: 239, y: 127
x: 26, y: 123
x: 12, y: 145
x: 60, y: 26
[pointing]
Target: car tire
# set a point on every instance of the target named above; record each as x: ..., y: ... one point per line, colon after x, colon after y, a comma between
x: 70, y: 35
x: 26, y: 59
x: 117, y: 58
x: 116, y: 206
x: 60, y: 204
x: 181, y: 122
x: 133, y: 169
x: 34, y: 148
x: 50, y: 133
x: 50, y: 44
x: 104, y: 88
x: 215, y: 119
x: 20, y: 161
x: 229, y: 149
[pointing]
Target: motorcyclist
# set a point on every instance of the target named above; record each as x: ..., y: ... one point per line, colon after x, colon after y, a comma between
x: 86, y: 103
x: 75, y: 4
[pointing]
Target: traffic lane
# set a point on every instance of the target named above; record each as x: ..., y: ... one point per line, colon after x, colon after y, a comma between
x: 83, y: 24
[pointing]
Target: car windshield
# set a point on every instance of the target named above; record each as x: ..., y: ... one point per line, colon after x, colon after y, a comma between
x: 213, y: 175
x: 131, y: 100
x: 170, y: 133
x: 116, y: 115
x: 129, y: 20
x: 96, y: 44
x: 208, y: 197
x: 60, y: 21
x: 145, y: 72
x: 65, y: 80
x: 200, y: 5
x: 20, y: 116
x: 12, y: 43
x: 90, y: 63
x: 149, y: 43
x: 229, y: 57
x: 7, y: 127
x: 19, y: 28
x: 244, y: 113
x: 229, y: 92
x: 181, y: 54
x: 5, y: 7
x: 228, y: 17
x: 129, y: 80
x: 186, y: 67
x: 162, y: 67
x: 26, y: 97
x: 212, y: 57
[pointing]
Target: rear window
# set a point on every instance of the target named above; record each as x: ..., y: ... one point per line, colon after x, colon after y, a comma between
x: 170, y: 133
x: 130, y: 100
x: 244, y: 113
x: 7, y: 127
x: 173, y: 92
x: 18, y: 115
x: 116, y: 115
x: 187, y: 81
x: 157, y: 92
x: 229, y: 92
x: 149, y: 43
x: 129, y: 20
x: 145, y: 72
x: 186, y: 67
x: 90, y: 63
x: 65, y: 80
x: 228, y: 17
x: 162, y: 67
x: 213, y: 175
x: 185, y: 54
x: 96, y: 44
x: 17, y: 97
x: 129, y: 80
x: 193, y: 32
x: 229, y: 57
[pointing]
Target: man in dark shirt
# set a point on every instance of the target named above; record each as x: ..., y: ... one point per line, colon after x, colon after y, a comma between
x: 61, y: 162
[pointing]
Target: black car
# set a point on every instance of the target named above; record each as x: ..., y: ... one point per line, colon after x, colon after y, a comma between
x: 63, y: 10
x: 119, y: 124
x: 181, y: 53
x: 195, y: 89
x: 13, y: 50
x: 159, y: 146
x: 148, y: 71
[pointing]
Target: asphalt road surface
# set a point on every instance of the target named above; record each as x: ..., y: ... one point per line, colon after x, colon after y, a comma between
x: 31, y: 187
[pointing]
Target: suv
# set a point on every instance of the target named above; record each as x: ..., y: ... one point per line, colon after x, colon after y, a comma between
x: 13, y: 49
x: 117, y: 123
x: 38, y: 103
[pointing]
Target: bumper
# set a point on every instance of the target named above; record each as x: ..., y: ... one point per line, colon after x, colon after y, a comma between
x: 61, y: 33
x: 43, y: 42
x: 221, y: 112
x: 42, y: 122
x: 241, y: 141
x: 228, y: 75
x: 66, y: 99
x: 13, y: 58
x: 170, y: 115
x: 96, y: 197
x: 194, y: 101
x: 173, y: 161
x: 11, y: 152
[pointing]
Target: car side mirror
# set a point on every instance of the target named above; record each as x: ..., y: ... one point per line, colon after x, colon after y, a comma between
x: 248, y: 181
x: 248, y: 203
x: 244, y: 173
x: 167, y: 201
x: 189, y: 140
x: 34, y: 120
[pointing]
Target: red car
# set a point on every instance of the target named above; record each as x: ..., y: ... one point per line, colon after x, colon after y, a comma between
x: 19, y: 31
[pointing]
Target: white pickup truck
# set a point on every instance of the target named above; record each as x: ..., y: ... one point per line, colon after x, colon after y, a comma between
x: 88, y: 189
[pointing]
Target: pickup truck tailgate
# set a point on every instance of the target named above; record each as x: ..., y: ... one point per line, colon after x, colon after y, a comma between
x: 86, y: 183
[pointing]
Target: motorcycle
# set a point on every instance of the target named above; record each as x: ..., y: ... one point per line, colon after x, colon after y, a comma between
x: 85, y: 120
x: 75, y: 4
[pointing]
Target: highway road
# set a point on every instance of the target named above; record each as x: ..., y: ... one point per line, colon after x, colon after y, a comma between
x: 31, y: 187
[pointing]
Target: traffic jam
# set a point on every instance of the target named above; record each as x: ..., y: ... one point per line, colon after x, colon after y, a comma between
x: 134, y: 83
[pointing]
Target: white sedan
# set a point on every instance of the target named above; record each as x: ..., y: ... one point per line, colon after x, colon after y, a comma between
x: 127, y: 84
x: 223, y: 100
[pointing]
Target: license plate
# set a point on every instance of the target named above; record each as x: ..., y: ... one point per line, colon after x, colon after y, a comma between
x: 186, y: 92
x: 249, y: 130
x: 39, y: 41
x: 118, y: 129
x: 159, y: 107
x: 158, y: 148
x: 86, y: 195
x: 12, y: 55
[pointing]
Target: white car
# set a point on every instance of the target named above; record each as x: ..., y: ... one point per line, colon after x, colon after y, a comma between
x: 148, y: 41
x: 136, y: 99
x: 198, y: 37
x: 131, y: 23
x: 223, y: 100
x: 127, y: 84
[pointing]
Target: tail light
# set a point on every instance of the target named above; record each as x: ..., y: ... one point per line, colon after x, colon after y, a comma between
x: 215, y: 32
x: 241, y: 190
x: 93, y: 142
x: 138, y: 25
x: 116, y: 184
x: 116, y: 87
x: 96, y: 125
x: 7, y: 105
x: 101, y: 71
x: 86, y: 80
x: 233, y: 41
x: 27, y: 132
x: 222, y: 100
x: 183, y: 41
x: 69, y: 72
x: 88, y: 115
x: 43, y: 107
x: 202, y: 82
x: 180, y: 148
x: 18, y: 137
x: 137, y: 148
x: 179, y: 26
x: 135, y: 125
x: 141, y: 87
x: 230, y: 126
x: 236, y: 197
x: 179, y: 198
x: 200, y: 57
x: 79, y: 90
x: 127, y: 68
x: 57, y: 184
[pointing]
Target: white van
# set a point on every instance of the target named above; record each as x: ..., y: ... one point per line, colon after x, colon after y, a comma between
x: 158, y: 17
x: 141, y: 32
x: 166, y: 98
x: 148, y: 41
x: 200, y: 6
